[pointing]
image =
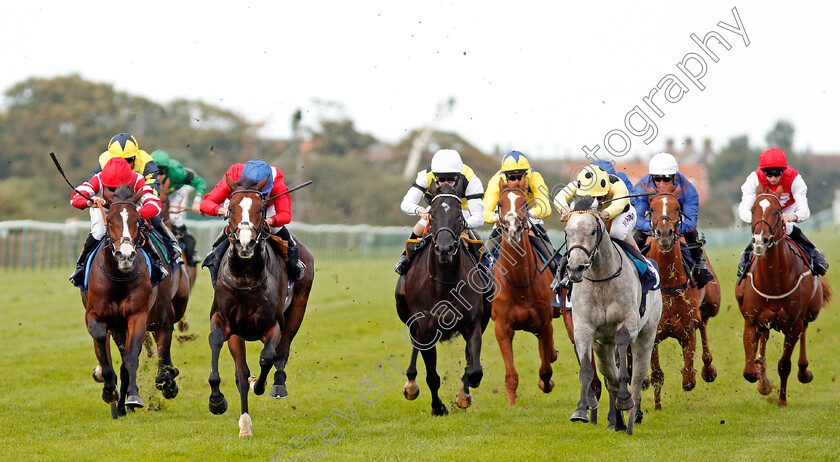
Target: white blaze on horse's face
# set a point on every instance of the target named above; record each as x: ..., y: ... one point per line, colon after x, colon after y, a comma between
x: 245, y: 225
x: 510, y: 216
x: 759, y: 248
x: 126, y: 246
x: 764, y: 204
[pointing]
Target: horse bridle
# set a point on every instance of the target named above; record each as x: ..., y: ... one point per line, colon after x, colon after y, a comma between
x: 590, y: 256
x: 522, y: 223
x: 260, y: 231
x: 461, y: 222
x: 773, y: 228
x: 674, y: 224
x: 115, y: 242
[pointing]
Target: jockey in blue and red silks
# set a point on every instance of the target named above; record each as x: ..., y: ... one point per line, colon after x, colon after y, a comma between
x: 278, y: 212
x: 116, y: 172
x: 774, y: 172
x: 663, y: 169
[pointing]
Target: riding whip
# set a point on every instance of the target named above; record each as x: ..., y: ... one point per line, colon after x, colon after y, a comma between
x: 290, y: 190
x: 61, y: 171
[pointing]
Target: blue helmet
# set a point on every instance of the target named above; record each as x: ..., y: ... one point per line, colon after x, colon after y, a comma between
x: 606, y: 165
x: 258, y: 170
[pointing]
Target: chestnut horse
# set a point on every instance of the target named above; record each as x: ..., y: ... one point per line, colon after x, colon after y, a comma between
x: 684, y: 308
x: 779, y: 292
x: 523, y: 297
x: 121, y: 302
x: 253, y: 301
x: 443, y: 295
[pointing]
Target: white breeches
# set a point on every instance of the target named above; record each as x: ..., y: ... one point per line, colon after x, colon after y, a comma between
x: 178, y: 205
x: 97, y: 224
x: 623, y: 224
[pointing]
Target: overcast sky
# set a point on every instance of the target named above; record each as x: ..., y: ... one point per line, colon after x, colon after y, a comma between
x: 539, y: 77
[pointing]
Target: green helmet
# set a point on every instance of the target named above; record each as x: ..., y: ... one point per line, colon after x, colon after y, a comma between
x: 161, y: 158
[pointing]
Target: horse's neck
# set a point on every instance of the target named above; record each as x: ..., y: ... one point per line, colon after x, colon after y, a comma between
x: 671, y: 262
x: 608, y: 259
x: 776, y: 266
x: 518, y: 259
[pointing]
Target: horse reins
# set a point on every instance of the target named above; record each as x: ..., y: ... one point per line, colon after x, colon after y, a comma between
x: 591, y: 255
x: 524, y: 224
x: 674, y: 224
x: 258, y: 231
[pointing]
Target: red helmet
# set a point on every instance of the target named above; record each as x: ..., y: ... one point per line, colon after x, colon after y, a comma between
x: 772, y: 157
x: 116, y: 172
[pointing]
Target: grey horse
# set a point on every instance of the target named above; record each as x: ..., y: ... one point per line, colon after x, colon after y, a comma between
x: 606, y: 297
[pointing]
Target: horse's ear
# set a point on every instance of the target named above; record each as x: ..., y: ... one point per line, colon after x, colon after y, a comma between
x: 460, y: 185
x: 502, y: 182
x: 778, y: 191
x: 136, y: 197
x: 262, y: 184
x: 677, y: 190
x: 432, y: 189
x: 229, y: 182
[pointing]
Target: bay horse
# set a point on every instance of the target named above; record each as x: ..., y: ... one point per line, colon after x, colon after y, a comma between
x: 121, y: 302
x: 183, y: 279
x: 779, y: 292
x: 606, y: 299
x: 442, y: 295
x: 523, y: 297
x: 685, y: 308
x: 253, y: 301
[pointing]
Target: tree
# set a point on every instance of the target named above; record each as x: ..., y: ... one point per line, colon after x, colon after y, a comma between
x: 781, y: 136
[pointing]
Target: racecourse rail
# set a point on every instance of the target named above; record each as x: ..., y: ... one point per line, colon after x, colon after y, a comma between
x: 28, y: 244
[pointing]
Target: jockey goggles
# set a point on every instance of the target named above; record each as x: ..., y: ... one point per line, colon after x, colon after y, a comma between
x: 446, y: 177
x: 773, y: 171
x: 662, y: 178
x: 515, y: 174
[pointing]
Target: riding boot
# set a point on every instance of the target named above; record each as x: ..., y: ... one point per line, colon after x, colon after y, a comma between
x: 159, y: 272
x: 492, y: 244
x: 294, y: 266
x: 211, y: 262
x: 402, y: 265
x: 702, y: 275
x: 744, y: 261
x: 172, y: 241
x: 819, y: 263
x: 561, y: 278
x: 641, y: 237
x: 77, y: 278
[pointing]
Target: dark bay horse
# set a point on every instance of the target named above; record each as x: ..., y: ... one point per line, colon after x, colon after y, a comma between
x: 443, y: 295
x: 253, y: 301
x: 779, y: 292
x: 606, y: 298
x: 684, y: 308
x: 121, y: 302
x: 523, y: 295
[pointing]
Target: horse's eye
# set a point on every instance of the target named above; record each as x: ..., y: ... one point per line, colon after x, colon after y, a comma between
x: 592, y: 233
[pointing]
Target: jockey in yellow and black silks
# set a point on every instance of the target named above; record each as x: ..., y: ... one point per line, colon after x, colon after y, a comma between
x: 515, y: 166
x: 125, y: 146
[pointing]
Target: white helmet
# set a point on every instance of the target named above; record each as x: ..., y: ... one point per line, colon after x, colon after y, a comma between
x: 663, y: 164
x: 447, y: 161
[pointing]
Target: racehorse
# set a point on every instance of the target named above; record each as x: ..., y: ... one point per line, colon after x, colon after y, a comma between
x: 164, y: 215
x: 684, y: 308
x: 121, y: 302
x: 253, y: 301
x: 778, y: 292
x: 442, y: 295
x: 606, y: 299
x: 523, y: 297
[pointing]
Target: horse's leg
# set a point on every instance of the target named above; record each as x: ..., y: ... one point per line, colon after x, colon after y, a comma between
x: 751, y: 338
x: 688, y: 343
x: 791, y: 337
x: 133, y: 346
x: 583, y: 347
x: 504, y: 335
x: 433, y: 380
x: 765, y: 386
x: 547, y: 352
x: 267, y: 357
x: 293, y: 317
x: 624, y: 401
x: 119, y: 339
x: 606, y: 362
x: 410, y: 389
x: 218, y: 403
x: 804, y: 375
x: 97, y: 370
x: 657, y: 377
x: 243, y: 383
x: 165, y: 380
x: 99, y: 333
x: 709, y: 372
x: 473, y: 373
x: 642, y: 350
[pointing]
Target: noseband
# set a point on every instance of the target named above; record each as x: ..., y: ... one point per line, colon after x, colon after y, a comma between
x: 673, y: 224
x: 599, y: 236
x: 455, y: 235
x: 260, y: 231
x: 116, y: 242
x: 522, y: 222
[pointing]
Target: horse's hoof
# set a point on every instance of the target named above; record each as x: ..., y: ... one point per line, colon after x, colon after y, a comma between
x: 709, y: 373
x: 110, y: 396
x: 257, y: 387
x: 620, y: 428
x: 546, y: 388
x: 464, y: 400
x: 439, y: 411
x: 689, y: 386
x: 806, y: 377
x: 624, y: 404
x: 120, y: 411
x: 411, y: 390
x: 170, y: 390
x: 765, y: 387
x: 639, y: 416
x: 218, y: 407
x: 278, y: 391
x: 133, y: 401
x: 781, y: 403
x: 751, y: 377
x: 97, y: 374
x: 554, y: 355
x: 580, y: 415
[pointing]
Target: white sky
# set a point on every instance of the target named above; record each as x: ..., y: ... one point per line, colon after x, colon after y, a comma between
x: 539, y: 77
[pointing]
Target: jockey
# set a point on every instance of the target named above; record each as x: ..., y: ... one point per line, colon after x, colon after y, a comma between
x: 181, y: 183
x: 663, y: 170
x: 446, y: 167
x: 278, y: 213
x: 116, y: 172
x: 125, y: 146
x: 619, y: 215
x: 514, y: 166
x: 773, y: 171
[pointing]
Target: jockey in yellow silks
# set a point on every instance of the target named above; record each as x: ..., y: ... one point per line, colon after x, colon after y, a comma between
x: 618, y: 215
x: 515, y: 166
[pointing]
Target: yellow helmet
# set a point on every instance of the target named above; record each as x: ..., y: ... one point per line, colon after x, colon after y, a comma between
x: 593, y: 181
x: 123, y: 145
x: 514, y: 160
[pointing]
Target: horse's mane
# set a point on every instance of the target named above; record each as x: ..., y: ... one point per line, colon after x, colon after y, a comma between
x: 584, y: 203
x: 246, y: 183
x: 446, y: 188
x: 124, y: 192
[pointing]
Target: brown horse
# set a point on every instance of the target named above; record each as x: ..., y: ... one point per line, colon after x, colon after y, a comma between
x: 191, y: 271
x: 444, y: 294
x: 253, y: 301
x: 684, y: 308
x: 779, y: 292
x: 523, y: 297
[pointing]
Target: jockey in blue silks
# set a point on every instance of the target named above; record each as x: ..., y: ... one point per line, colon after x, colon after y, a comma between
x: 662, y: 170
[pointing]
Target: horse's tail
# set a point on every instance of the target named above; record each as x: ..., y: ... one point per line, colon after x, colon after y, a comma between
x: 826, y: 291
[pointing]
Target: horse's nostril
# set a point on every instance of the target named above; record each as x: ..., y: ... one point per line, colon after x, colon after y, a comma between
x: 133, y: 254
